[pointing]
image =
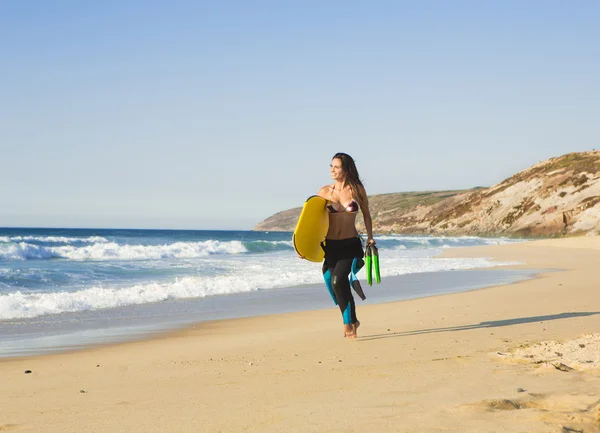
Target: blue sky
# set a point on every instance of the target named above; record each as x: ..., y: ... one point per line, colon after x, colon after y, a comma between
x: 203, y: 115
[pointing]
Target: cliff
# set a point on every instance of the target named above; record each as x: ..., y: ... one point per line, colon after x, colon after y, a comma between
x: 555, y: 197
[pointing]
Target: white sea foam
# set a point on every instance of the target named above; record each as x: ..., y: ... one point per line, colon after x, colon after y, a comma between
x: 389, y: 237
x: 20, y: 305
x: 455, y: 238
x: 275, y: 243
x: 447, y: 241
x: 114, y: 251
x: 53, y: 239
x: 24, y: 251
x: 243, y: 275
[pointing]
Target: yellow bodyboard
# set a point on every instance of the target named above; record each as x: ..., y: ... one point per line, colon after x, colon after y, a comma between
x: 311, y: 229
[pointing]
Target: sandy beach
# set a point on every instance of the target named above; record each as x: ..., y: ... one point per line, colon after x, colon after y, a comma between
x: 517, y: 358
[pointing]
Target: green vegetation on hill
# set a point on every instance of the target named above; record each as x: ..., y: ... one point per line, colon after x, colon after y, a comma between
x: 406, y: 201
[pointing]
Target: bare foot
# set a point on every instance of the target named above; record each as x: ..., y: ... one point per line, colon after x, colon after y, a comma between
x: 355, y: 325
x: 349, y: 331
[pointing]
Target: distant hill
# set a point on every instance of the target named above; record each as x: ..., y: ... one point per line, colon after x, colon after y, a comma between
x: 383, y: 206
x: 554, y: 197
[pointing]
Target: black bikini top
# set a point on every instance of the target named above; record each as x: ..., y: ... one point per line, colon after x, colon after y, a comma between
x: 351, y: 207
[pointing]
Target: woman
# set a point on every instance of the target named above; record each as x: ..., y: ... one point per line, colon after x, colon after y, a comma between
x: 343, y: 247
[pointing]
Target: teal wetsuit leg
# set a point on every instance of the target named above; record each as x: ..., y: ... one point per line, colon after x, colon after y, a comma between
x: 327, y: 278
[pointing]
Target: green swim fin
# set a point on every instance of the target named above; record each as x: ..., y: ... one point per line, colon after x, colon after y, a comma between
x: 369, y: 264
x: 376, y: 263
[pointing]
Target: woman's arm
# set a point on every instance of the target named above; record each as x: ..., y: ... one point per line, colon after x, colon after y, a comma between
x: 367, y: 216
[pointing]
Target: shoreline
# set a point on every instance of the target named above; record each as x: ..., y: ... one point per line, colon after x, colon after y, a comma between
x: 272, y: 302
x: 426, y: 364
x: 174, y: 331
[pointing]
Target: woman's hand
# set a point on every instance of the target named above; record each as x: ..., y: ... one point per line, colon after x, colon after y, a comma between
x: 371, y: 242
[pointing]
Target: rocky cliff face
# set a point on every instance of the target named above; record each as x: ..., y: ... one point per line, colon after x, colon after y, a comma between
x: 555, y: 197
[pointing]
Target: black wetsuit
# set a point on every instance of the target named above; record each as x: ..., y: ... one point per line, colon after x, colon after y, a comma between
x: 342, y: 257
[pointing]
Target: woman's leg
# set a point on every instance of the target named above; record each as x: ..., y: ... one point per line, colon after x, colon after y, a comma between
x: 343, y: 294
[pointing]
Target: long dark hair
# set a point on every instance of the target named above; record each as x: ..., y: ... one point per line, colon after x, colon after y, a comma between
x: 352, y: 176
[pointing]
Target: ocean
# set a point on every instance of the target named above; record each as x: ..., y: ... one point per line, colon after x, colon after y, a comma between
x: 64, y: 288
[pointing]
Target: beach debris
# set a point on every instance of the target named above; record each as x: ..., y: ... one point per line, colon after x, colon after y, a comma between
x: 250, y: 363
x: 562, y: 367
x: 570, y: 430
x: 520, y: 390
x: 82, y: 391
x: 28, y: 371
x: 503, y: 405
x: 97, y: 365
